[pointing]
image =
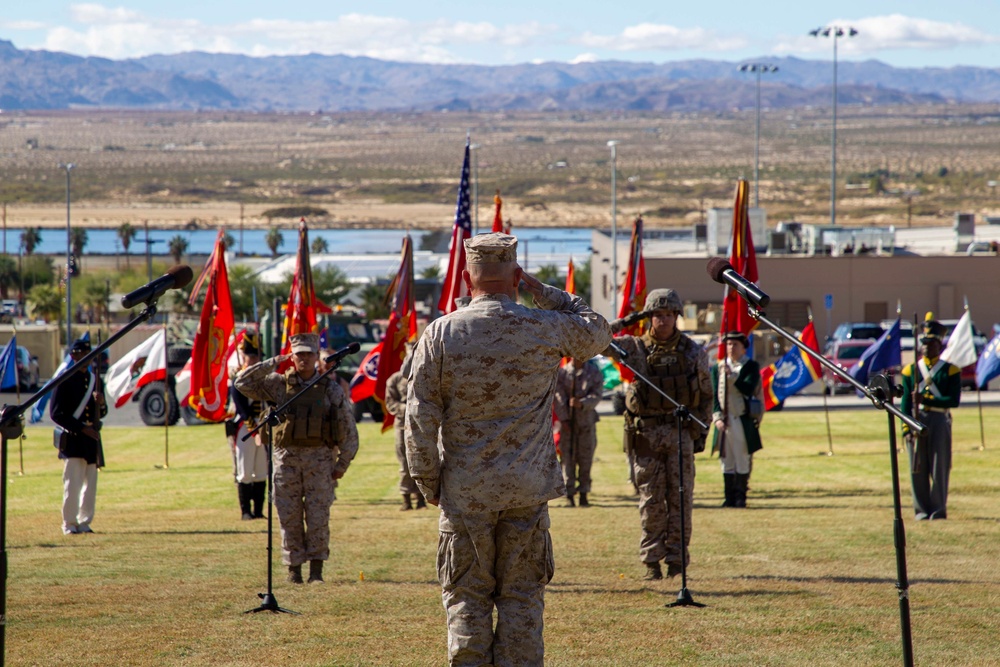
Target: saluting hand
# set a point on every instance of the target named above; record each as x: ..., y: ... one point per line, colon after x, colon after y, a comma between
x: 532, y: 284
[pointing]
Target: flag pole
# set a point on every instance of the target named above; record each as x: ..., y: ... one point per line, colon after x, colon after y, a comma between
x: 17, y: 385
x: 166, y: 406
x: 826, y: 411
x: 979, y: 394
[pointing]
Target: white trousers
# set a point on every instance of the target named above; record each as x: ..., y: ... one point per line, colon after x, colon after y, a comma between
x: 79, y: 493
x: 735, y: 458
x: 251, y: 459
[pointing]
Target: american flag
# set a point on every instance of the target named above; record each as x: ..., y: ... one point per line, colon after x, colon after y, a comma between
x: 454, y: 286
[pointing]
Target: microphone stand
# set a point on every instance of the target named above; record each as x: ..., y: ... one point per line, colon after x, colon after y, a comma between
x: 271, y: 419
x: 880, y: 391
x: 11, y: 427
x: 683, y: 415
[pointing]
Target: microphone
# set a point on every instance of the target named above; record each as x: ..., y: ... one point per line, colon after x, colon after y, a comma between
x: 722, y: 271
x: 336, y: 357
x: 177, y: 277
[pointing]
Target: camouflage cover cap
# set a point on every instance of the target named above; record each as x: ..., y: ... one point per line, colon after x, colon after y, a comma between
x: 492, y: 248
x: 663, y: 299
x: 306, y: 342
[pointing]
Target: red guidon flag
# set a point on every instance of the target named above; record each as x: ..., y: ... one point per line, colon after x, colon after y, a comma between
x: 571, y: 278
x: 453, y: 285
x: 633, y: 291
x: 497, y: 217
x: 735, y: 315
x: 402, y: 326
x: 303, y: 306
x: 209, y: 373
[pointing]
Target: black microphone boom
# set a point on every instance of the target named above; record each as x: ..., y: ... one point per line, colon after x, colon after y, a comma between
x: 722, y: 271
x: 337, y: 356
x: 177, y: 277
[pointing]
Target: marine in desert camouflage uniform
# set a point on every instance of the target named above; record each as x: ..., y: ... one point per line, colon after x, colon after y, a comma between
x: 678, y: 366
x: 579, y: 388
x: 395, y: 403
x: 484, y: 376
x: 312, y: 448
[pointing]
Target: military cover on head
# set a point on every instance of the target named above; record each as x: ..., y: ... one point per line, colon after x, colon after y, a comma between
x: 932, y: 329
x: 249, y: 344
x: 663, y: 299
x: 81, y: 345
x: 305, y: 342
x: 492, y: 248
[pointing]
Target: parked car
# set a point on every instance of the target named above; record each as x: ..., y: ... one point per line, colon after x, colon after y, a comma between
x: 844, y: 353
x: 857, y: 331
x: 27, y: 369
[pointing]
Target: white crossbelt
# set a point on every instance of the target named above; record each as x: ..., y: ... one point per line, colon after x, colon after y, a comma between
x: 926, y: 373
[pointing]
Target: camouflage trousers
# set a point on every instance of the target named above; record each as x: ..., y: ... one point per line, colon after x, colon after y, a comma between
x: 303, y: 493
x: 502, y: 560
x: 657, y: 474
x: 406, y: 483
x: 578, y: 457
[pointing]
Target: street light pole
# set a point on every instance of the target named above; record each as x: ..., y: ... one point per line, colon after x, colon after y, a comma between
x: 613, y: 145
x: 474, y: 149
x: 836, y: 32
x: 69, y: 255
x: 758, y: 69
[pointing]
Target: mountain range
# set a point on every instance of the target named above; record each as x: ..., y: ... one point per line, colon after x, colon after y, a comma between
x: 35, y: 79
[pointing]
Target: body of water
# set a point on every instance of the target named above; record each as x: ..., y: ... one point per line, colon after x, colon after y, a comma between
x: 543, y: 241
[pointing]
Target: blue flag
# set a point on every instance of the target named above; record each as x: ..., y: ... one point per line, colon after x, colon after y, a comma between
x: 988, y: 366
x: 8, y: 365
x: 884, y: 354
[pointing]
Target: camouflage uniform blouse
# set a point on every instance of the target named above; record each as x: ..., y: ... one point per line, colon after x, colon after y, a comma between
x: 261, y: 382
x: 485, y: 376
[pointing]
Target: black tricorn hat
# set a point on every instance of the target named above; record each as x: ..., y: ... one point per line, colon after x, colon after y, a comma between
x: 736, y: 335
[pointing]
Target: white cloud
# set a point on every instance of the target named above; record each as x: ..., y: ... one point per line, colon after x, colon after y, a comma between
x: 661, y: 37
x: 584, y: 58
x: 891, y: 32
x: 22, y: 25
x: 119, y: 33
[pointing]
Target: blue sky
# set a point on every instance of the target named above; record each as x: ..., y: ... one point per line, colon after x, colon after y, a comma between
x: 917, y: 33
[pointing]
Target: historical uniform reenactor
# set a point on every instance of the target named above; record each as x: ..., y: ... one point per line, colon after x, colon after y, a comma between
x: 482, y: 385
x: 78, y: 405
x: 934, y: 387
x: 250, y: 455
x: 579, y: 389
x: 312, y: 448
x: 679, y: 367
x: 395, y: 403
x: 737, y: 409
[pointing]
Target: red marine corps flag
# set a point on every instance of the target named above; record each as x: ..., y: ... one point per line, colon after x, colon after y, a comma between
x: 570, y: 278
x: 633, y: 290
x: 453, y: 286
x: 303, y: 306
x: 209, y: 374
x: 497, y: 217
x: 735, y: 315
x: 402, y: 326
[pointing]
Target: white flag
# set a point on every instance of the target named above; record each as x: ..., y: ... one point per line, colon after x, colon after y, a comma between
x: 146, y: 363
x: 961, y: 349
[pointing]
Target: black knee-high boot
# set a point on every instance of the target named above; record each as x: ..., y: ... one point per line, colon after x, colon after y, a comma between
x: 245, y: 492
x: 730, y: 483
x: 259, y: 499
x: 742, y: 484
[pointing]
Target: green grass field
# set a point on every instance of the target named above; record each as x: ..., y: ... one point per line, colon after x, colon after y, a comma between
x: 804, y: 576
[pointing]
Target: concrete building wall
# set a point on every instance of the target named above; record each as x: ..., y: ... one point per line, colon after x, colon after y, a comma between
x: 935, y: 283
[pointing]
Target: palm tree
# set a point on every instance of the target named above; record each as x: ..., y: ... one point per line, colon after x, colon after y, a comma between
x: 30, y: 238
x: 372, y: 300
x: 9, y: 275
x: 228, y: 240
x: 78, y: 241
x: 319, y: 245
x: 331, y: 284
x: 45, y: 301
x: 242, y: 284
x: 274, y: 240
x: 177, y: 247
x: 126, y: 232
x: 432, y: 272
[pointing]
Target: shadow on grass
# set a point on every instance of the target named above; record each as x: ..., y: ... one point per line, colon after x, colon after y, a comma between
x: 856, y: 580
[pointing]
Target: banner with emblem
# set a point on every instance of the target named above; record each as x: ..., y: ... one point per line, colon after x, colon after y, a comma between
x: 988, y: 365
x: 363, y: 383
x: 303, y: 306
x: 793, y: 372
x: 209, y: 372
x: 146, y: 363
x: 735, y: 316
x: 402, y: 326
